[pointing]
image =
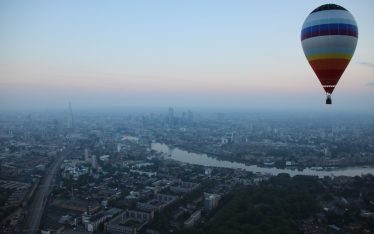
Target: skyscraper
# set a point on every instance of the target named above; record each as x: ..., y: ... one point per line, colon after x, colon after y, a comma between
x: 189, y: 116
x: 86, y: 155
x: 93, y: 161
x: 70, y: 119
x: 170, y: 116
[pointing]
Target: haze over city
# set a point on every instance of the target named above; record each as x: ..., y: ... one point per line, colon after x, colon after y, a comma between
x: 216, y: 54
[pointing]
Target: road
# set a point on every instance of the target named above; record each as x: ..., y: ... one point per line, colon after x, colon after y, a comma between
x: 36, y: 208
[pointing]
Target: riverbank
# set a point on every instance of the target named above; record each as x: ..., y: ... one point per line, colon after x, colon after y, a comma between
x: 277, y: 164
x: 185, y: 156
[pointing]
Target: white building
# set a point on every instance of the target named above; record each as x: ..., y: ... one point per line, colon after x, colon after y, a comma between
x: 211, y: 201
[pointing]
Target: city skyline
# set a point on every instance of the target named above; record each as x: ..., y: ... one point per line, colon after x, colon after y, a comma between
x: 213, y: 54
x: 105, y: 167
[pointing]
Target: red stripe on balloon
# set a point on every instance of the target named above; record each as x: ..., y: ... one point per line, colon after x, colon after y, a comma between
x: 328, y: 64
x: 329, y: 77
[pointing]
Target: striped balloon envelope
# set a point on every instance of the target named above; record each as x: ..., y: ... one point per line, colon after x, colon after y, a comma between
x: 329, y: 38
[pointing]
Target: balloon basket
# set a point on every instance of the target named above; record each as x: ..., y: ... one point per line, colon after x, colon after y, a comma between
x: 328, y: 100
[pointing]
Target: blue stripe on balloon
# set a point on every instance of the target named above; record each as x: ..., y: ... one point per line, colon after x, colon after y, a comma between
x: 322, y: 27
x: 329, y: 29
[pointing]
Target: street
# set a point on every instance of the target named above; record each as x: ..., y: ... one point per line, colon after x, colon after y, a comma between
x: 36, y: 208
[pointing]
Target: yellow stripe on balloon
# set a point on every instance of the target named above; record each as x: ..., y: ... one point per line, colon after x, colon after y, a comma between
x: 329, y: 56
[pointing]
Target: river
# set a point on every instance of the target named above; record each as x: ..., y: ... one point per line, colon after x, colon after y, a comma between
x: 205, y: 160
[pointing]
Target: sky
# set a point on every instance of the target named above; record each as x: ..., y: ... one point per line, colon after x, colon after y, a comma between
x: 238, y: 54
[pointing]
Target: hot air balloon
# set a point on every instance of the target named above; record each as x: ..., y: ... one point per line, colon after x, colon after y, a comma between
x: 329, y: 38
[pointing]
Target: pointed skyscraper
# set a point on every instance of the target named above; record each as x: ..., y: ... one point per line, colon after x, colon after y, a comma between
x: 70, y: 119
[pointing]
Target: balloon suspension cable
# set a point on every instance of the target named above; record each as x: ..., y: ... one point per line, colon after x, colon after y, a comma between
x: 328, y: 99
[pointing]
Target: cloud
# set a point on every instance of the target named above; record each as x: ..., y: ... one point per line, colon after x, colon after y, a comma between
x: 370, y: 84
x: 368, y: 64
